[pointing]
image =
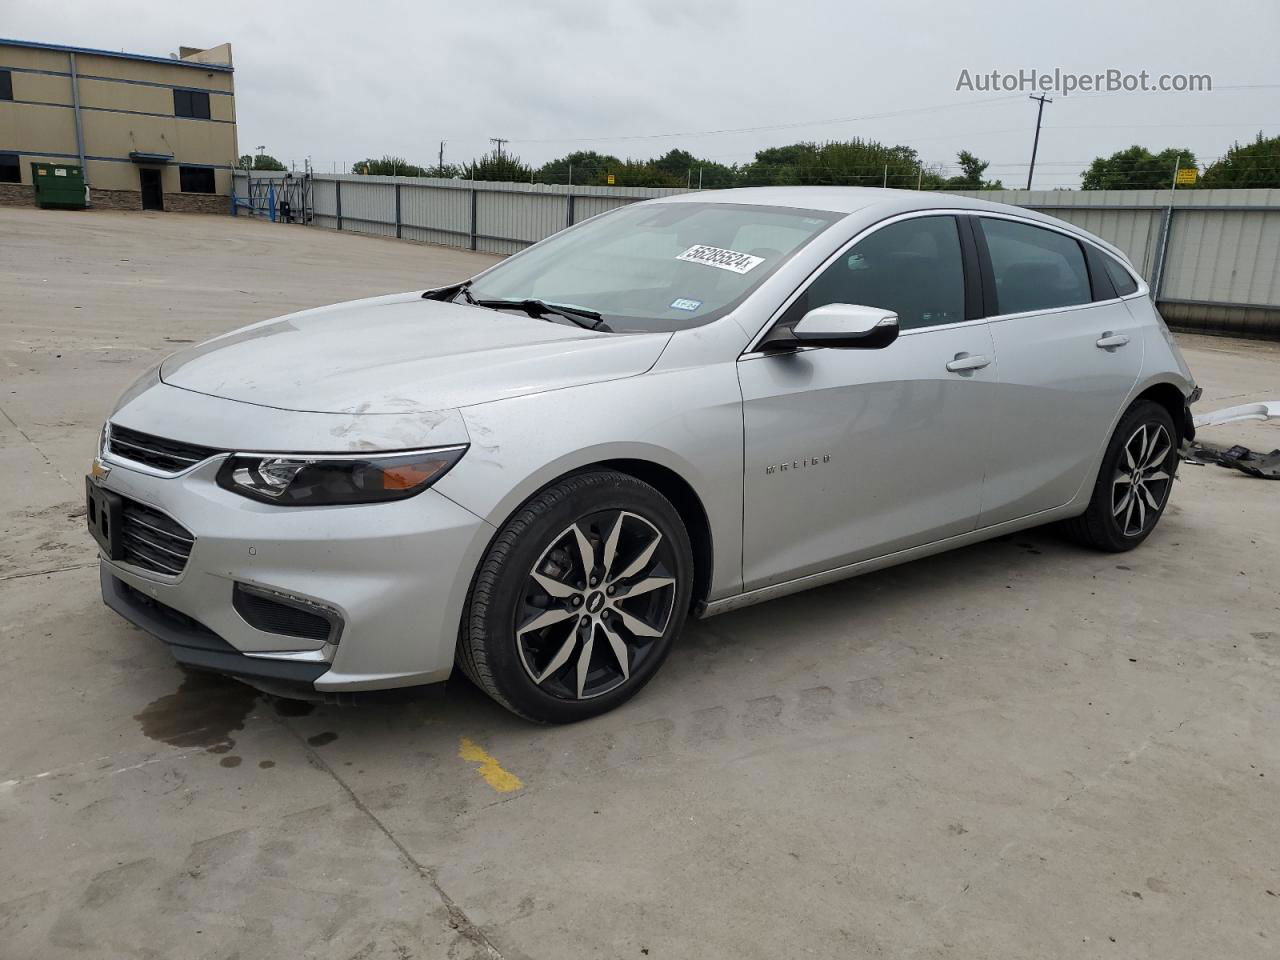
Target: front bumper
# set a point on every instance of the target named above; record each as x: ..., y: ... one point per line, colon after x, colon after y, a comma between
x: 396, y: 575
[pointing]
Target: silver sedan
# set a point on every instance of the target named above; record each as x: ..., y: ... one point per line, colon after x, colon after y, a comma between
x: 682, y: 406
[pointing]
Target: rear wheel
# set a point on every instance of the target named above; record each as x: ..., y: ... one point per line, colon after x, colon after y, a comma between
x: 579, y: 598
x: 1133, y: 483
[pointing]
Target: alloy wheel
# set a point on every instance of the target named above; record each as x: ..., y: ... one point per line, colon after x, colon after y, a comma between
x: 595, y: 603
x: 1141, y: 482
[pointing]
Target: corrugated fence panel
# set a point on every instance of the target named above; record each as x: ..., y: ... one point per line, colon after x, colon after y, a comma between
x: 432, y: 214
x: 369, y: 208
x: 324, y: 200
x: 1229, y: 257
x: 507, y: 222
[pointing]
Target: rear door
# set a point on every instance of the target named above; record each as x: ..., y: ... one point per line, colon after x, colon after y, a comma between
x: 853, y: 454
x: 1069, y: 354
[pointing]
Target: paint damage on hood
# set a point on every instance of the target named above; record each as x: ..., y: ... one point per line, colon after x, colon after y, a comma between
x: 401, y: 353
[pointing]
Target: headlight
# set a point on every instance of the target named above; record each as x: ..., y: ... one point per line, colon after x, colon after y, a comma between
x: 302, y: 480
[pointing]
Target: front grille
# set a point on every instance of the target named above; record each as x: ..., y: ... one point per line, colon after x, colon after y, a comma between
x: 271, y: 615
x: 153, y: 540
x: 171, y: 456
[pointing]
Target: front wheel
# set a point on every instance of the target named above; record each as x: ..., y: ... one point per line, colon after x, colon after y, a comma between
x: 579, y: 599
x: 1133, y: 483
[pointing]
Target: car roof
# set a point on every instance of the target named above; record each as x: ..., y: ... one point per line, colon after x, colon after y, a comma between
x: 875, y: 203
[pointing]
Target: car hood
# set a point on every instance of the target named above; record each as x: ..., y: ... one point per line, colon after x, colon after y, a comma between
x: 400, y: 353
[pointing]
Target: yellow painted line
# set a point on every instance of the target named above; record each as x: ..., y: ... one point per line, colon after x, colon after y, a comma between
x: 504, y: 781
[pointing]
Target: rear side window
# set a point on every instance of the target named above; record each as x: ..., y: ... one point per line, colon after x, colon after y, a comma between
x: 1035, y: 269
x: 1120, y: 277
x: 912, y: 267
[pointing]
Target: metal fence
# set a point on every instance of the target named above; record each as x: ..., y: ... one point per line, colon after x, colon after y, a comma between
x: 1211, y: 257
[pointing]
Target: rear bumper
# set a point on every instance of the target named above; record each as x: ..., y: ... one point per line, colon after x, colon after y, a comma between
x: 1188, y: 421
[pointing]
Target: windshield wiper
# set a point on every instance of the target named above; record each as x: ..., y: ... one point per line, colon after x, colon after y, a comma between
x: 451, y: 292
x: 589, y: 319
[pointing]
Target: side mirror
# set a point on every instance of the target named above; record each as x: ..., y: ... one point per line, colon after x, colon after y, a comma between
x: 846, y: 326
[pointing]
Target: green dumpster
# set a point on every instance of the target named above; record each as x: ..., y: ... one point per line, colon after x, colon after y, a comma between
x: 59, y: 185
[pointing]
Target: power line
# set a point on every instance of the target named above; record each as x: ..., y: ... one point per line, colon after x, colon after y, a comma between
x: 870, y: 116
x: 774, y: 126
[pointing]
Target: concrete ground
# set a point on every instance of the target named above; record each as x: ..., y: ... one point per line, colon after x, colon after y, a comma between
x: 1021, y: 749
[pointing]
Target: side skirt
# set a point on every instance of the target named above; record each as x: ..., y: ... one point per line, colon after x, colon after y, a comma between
x: 761, y: 594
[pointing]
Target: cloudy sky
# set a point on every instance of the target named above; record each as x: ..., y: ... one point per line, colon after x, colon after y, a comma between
x: 338, y: 81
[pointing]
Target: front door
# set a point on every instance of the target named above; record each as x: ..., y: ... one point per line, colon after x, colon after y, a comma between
x: 853, y: 454
x: 1067, y: 364
x: 152, y: 191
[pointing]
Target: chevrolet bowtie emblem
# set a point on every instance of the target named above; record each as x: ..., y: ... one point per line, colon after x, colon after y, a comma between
x: 99, y: 470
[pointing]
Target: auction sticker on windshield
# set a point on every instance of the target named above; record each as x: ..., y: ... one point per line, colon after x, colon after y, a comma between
x: 721, y: 258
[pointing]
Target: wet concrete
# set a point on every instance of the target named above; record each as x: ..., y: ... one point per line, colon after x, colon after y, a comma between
x: 203, y: 712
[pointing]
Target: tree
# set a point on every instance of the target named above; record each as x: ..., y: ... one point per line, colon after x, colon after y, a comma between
x: 389, y: 166
x: 586, y: 166
x: 504, y: 167
x: 685, y: 169
x: 1136, y: 168
x: 262, y: 161
x: 970, y: 176
x: 675, y: 168
x: 851, y: 163
x: 1255, y: 164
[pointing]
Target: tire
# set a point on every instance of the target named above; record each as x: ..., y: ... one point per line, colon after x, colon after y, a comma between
x: 555, y: 642
x: 1120, y: 516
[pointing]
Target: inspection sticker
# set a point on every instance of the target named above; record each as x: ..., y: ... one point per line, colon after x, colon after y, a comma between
x: 719, y: 257
x: 681, y: 303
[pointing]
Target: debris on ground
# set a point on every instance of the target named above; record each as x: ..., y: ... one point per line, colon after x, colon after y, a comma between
x: 1238, y: 457
x: 1265, y: 410
x: 1263, y: 465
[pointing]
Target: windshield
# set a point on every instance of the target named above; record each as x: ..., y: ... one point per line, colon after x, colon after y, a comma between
x: 657, y: 267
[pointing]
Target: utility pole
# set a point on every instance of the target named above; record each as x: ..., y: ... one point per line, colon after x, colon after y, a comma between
x: 1035, y: 144
x: 440, y: 165
x: 499, y: 141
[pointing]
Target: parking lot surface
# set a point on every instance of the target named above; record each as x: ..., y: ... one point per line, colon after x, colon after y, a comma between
x: 1020, y: 749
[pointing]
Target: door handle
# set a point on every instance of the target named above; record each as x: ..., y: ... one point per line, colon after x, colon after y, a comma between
x: 964, y: 362
x: 1109, y: 340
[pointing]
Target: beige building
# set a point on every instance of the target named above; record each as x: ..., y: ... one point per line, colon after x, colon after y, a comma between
x: 150, y: 132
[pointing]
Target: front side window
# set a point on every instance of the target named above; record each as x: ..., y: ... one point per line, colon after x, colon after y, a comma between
x: 1035, y: 269
x: 191, y: 103
x: 196, y: 179
x: 1121, y: 279
x: 912, y: 267
x: 10, y: 172
x: 658, y: 267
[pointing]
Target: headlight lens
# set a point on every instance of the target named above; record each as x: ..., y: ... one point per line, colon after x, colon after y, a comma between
x: 301, y: 480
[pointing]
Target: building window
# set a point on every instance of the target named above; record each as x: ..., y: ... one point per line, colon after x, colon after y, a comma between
x: 196, y: 179
x: 6, y: 85
x: 191, y: 103
x: 10, y: 172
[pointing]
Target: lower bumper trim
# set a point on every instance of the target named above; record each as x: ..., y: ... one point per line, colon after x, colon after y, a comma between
x: 195, y: 645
